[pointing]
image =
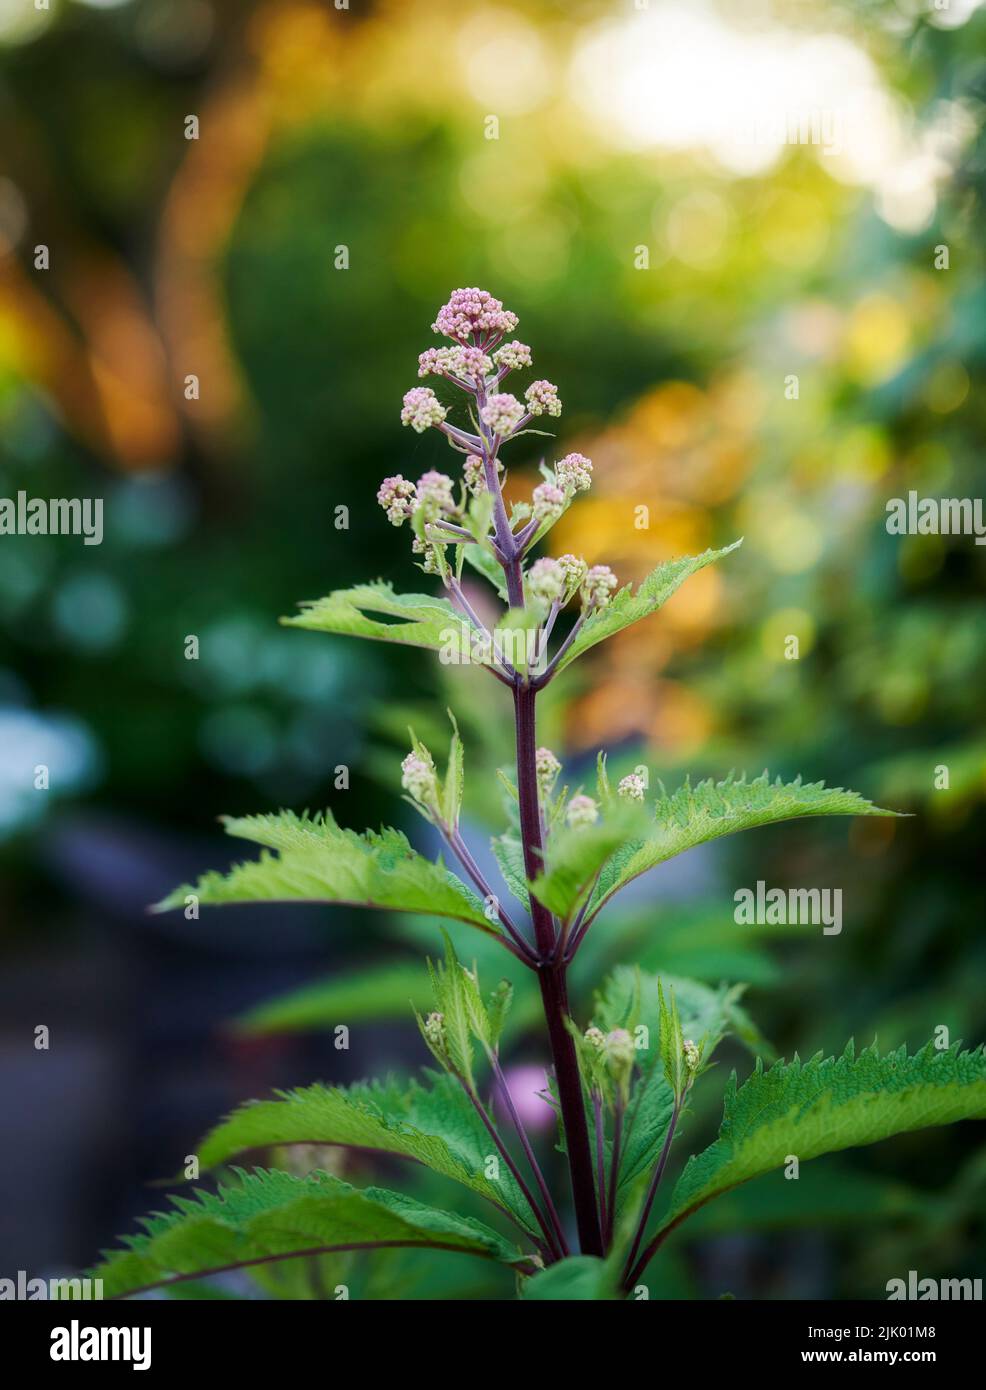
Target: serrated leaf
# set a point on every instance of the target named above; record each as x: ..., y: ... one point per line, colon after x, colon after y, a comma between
x: 574, y: 857
x: 706, y: 1013
x: 629, y: 605
x: 424, y: 620
x: 434, y: 1124
x: 317, y: 861
x: 267, y: 1215
x: 696, y: 815
x: 454, y: 777
x: 509, y: 854
x: 825, y: 1105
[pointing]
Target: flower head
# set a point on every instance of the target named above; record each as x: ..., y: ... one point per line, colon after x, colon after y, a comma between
x: 542, y: 398
x: 468, y: 362
x: 502, y: 412
x: 574, y: 473
x: 620, y: 1054
x: 632, y: 787
x: 434, y: 1028
x: 548, y: 768
x: 692, y: 1053
x: 421, y: 409
x: 474, y: 474
x: 549, y: 502
x: 546, y: 580
x: 396, y: 496
x: 435, y: 494
x: 473, y: 311
x: 513, y: 356
x: 599, y: 583
x: 581, y: 810
x: 418, y: 778
x: 434, y: 361
x: 595, y: 1036
x: 575, y: 570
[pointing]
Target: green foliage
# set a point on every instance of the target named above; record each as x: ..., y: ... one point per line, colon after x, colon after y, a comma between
x: 576, y: 855
x: 509, y: 854
x: 319, y: 862
x: 434, y: 1124
x: 824, y: 1105
x: 693, y: 816
x: 425, y: 621
x: 630, y: 605
x: 264, y: 1216
x: 630, y: 998
x: 580, y: 1278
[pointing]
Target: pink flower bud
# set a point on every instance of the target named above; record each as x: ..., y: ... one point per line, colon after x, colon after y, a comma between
x: 421, y: 409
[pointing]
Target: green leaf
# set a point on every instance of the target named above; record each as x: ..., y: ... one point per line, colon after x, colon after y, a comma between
x: 457, y: 1000
x: 696, y: 815
x: 629, y: 606
x: 509, y: 854
x: 485, y: 563
x: 574, y: 857
x: 580, y: 1278
x: 369, y: 992
x: 454, y: 778
x: 425, y: 621
x: 317, y: 861
x: 434, y: 1124
x: 266, y: 1215
x: 706, y: 1013
x: 824, y: 1105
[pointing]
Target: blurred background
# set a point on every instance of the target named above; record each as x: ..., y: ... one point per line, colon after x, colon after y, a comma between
x: 746, y: 242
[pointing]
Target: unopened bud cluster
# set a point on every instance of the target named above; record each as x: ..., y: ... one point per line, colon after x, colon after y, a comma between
x: 479, y: 356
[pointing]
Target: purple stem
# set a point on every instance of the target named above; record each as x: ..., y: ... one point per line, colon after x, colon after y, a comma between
x: 631, y: 1271
x: 529, y: 1154
x: 597, y: 1117
x: 515, y: 1172
x: 459, y: 847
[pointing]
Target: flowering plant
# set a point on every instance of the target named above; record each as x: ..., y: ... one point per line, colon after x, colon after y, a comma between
x: 622, y: 1076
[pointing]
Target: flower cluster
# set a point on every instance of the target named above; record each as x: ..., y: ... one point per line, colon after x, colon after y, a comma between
x: 396, y: 496
x: 598, y: 585
x: 470, y: 363
x: 502, y: 413
x: 549, y: 502
x: 477, y: 360
x: 542, y: 398
x: 421, y: 409
x: 580, y: 811
x: 435, y: 495
x: 548, y: 768
x: 573, y: 473
x: 632, y: 787
x: 546, y: 580
x: 473, y: 313
x: 512, y: 356
x: 418, y: 779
